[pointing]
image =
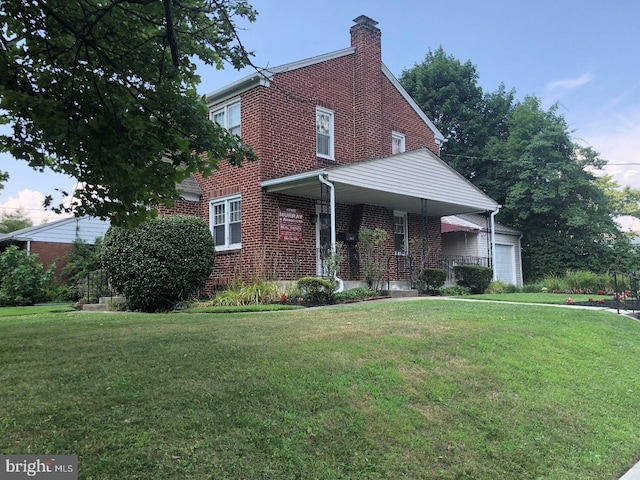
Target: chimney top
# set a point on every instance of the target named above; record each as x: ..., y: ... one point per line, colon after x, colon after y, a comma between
x: 364, y: 20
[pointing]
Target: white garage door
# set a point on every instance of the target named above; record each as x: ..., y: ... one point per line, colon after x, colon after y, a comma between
x: 506, y: 263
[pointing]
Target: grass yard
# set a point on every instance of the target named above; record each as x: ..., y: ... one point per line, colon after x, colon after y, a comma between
x: 547, y: 298
x: 416, y: 389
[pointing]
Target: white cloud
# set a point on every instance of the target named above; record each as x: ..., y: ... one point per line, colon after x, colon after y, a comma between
x: 31, y: 202
x: 569, y: 83
x: 617, y: 140
x: 555, y: 90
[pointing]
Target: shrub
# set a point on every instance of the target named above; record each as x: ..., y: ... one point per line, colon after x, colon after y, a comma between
x: 455, y: 291
x: 370, y: 252
x: 316, y: 291
x: 354, y: 294
x: 510, y: 288
x: 495, y: 287
x: 23, y: 280
x: 430, y: 280
x: 83, y: 272
x: 474, y: 277
x: 241, y: 294
x: 553, y: 283
x: 163, y: 261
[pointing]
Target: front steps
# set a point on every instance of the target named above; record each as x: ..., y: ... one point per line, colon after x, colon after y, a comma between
x: 103, y: 304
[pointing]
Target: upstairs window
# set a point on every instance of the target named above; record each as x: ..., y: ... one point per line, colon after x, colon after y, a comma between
x: 225, y: 218
x: 324, y: 133
x: 400, y: 232
x: 397, y: 142
x: 227, y: 116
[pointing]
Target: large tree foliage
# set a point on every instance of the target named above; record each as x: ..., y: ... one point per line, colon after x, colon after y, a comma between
x: 12, y: 221
x: 549, y: 192
x: 105, y: 91
x: 525, y: 158
x: 448, y: 92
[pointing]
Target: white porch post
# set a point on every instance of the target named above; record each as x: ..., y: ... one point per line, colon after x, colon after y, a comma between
x: 493, y: 242
x: 332, y: 209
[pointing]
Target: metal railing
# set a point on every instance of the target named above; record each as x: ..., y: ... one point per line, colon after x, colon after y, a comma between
x: 93, y: 286
x: 625, y: 287
x: 449, y: 262
x: 404, y: 269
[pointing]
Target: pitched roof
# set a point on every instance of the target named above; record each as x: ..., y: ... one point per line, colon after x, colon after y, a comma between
x: 64, y: 230
x: 466, y: 222
x: 400, y: 181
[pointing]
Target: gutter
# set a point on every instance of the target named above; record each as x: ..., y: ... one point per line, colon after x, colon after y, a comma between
x: 493, y: 241
x: 332, y: 211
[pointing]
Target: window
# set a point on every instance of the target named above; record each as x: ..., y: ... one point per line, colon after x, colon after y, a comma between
x: 397, y: 142
x: 400, y: 232
x: 324, y: 133
x: 228, y: 116
x: 225, y: 218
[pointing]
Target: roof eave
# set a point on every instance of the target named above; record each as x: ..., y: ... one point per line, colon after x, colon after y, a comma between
x: 265, y: 76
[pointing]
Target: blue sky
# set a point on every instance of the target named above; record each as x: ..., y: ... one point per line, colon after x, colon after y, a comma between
x: 581, y: 54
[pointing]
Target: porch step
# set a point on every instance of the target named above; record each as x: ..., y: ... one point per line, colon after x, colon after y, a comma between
x: 403, y: 293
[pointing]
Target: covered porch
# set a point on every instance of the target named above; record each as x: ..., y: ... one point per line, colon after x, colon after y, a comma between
x: 415, y: 184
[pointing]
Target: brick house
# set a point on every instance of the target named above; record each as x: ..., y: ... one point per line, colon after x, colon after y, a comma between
x: 52, y: 241
x: 340, y: 146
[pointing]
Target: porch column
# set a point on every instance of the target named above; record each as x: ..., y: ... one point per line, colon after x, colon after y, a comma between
x: 425, y: 233
x: 332, y: 209
x: 493, y: 242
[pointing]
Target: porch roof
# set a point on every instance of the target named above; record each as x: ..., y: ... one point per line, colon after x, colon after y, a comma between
x: 399, y: 182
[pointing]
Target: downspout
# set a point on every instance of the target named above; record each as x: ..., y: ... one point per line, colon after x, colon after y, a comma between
x: 28, y: 248
x: 493, y: 241
x: 332, y: 211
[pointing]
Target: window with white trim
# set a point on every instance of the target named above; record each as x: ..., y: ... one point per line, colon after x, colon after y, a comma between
x: 397, y: 142
x: 400, y: 233
x: 227, y: 116
x: 225, y: 218
x: 324, y: 133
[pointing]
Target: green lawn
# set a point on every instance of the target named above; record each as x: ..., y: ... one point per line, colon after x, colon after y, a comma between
x: 416, y: 389
x: 548, y: 298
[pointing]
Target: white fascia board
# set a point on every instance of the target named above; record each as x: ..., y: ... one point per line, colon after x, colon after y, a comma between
x: 439, y: 137
x: 291, y: 178
x: 236, y: 88
x: 287, y: 67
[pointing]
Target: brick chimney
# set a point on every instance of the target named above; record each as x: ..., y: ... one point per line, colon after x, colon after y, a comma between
x: 369, y: 137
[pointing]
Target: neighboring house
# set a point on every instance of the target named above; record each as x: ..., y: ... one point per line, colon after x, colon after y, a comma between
x: 53, y: 240
x: 340, y: 146
x: 466, y: 239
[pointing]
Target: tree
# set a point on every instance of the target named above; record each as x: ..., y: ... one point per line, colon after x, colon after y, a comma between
x: 10, y: 222
x: 23, y: 280
x: 525, y: 158
x: 448, y: 92
x: 165, y: 260
x: 549, y: 191
x: 106, y: 92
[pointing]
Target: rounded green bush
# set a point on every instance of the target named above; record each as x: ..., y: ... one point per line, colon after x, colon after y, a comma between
x: 158, y: 264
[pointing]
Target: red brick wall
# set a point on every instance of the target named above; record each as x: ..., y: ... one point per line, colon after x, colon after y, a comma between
x: 279, y: 123
x: 50, y: 252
